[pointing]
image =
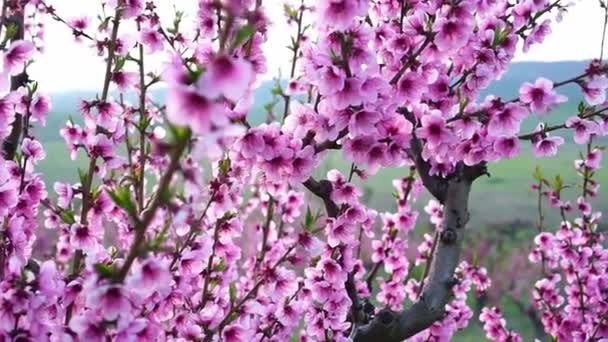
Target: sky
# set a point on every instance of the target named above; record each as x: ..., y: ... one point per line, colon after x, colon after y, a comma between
x: 66, y: 65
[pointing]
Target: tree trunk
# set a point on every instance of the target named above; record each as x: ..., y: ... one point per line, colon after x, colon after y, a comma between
x: 392, y: 326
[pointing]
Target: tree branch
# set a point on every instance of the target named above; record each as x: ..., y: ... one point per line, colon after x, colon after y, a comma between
x: 392, y: 326
x: 11, y: 143
x: 322, y: 189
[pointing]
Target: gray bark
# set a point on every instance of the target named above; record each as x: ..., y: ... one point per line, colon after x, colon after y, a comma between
x: 392, y: 326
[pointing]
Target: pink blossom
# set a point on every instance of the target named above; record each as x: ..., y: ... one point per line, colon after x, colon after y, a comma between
x: 410, y: 86
x: 150, y: 276
x: 187, y: 107
x: 16, y: 55
x: 595, y: 90
x: 331, y: 80
x: 228, y: 76
x: 340, y: 13
x: 507, y: 121
x: 583, y: 129
x: 64, y: 194
x: 40, y: 107
x: 33, y: 150
x: 8, y: 189
x: 151, y: 39
x: 124, y: 80
x: 350, y: 94
x: 451, y: 33
x: 433, y: 129
x: 547, y: 147
x: 507, y: 147
x: 540, y: 96
x: 110, y: 301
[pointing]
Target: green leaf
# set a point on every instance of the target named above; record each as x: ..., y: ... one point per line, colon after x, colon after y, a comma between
x: 122, y: 197
x: 558, y: 183
x: 538, y: 173
x: 277, y: 90
x: 309, y: 219
x: 582, y: 107
x: 105, y: 270
x: 224, y: 166
x: 232, y: 292
x: 243, y: 34
x: 290, y: 11
x: 82, y: 175
x: 68, y: 217
x: 269, y: 107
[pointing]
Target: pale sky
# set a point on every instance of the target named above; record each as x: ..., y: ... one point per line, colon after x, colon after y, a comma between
x: 66, y: 65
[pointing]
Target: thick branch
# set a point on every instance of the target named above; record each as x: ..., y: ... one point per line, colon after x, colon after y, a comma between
x: 434, y: 184
x: 10, y: 144
x: 437, y: 290
x: 322, y: 189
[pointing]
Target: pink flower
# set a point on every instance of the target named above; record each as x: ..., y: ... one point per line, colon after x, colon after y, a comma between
x: 251, y: 143
x: 151, y: 39
x: 124, y: 44
x: 227, y: 76
x: 87, y: 329
x: 33, y: 150
x: 331, y: 80
x: 50, y: 281
x: 110, y: 300
x: 410, y: 87
x: 451, y: 33
x: 64, y: 194
x: 340, y: 13
x: 507, y: 121
x: 235, y: 333
x: 583, y: 129
x: 349, y: 95
x: 339, y: 232
x: 507, y: 147
x: 540, y: 96
x: 594, y: 159
x: 537, y: 35
x: 187, y: 107
x: 433, y: 129
x: 594, y: 91
x: 357, y: 148
x: 8, y: 189
x: 132, y: 8
x: 363, y: 122
x: 151, y: 275
x: 84, y: 237
x: 40, y: 107
x: 124, y: 80
x: 547, y: 147
x: 303, y: 164
x: 16, y: 55
x: 79, y: 23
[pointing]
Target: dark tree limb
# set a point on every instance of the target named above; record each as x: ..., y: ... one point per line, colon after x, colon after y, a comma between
x: 392, y: 326
x: 11, y: 143
x: 322, y: 189
x: 434, y: 184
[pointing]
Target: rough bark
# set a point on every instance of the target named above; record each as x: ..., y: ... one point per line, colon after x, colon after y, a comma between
x: 392, y: 326
x: 10, y: 144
